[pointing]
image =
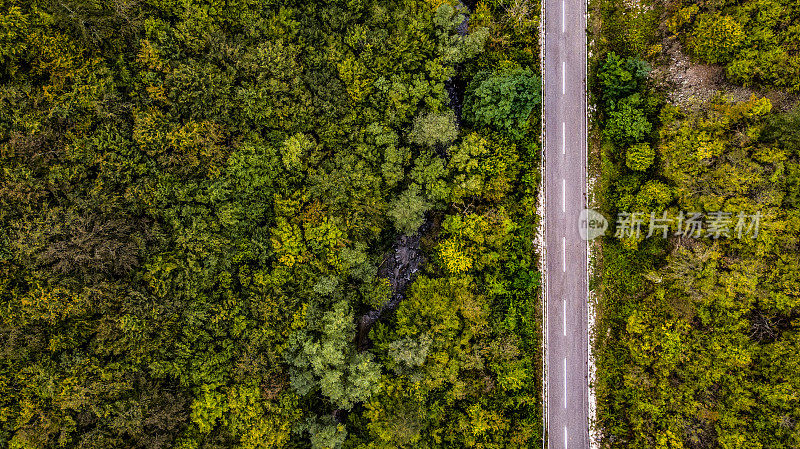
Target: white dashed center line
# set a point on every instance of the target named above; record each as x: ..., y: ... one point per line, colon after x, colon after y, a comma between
x: 563, y: 17
x: 566, y: 437
x: 565, y: 382
x: 563, y: 195
x: 564, y: 328
x: 564, y: 254
x: 563, y: 138
x: 563, y: 77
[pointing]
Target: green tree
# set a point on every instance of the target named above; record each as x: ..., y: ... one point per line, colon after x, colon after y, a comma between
x: 454, y: 47
x: 325, y: 434
x: 324, y: 359
x: 295, y: 149
x: 434, y: 129
x: 620, y: 77
x: 716, y: 38
x: 408, y: 210
x: 640, y: 157
x: 792, y: 198
x: 503, y: 100
x: 431, y: 173
x: 628, y: 124
x: 653, y: 196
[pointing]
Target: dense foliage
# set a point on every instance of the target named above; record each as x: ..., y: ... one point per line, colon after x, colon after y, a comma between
x: 758, y: 41
x: 503, y: 100
x: 697, y: 336
x: 196, y: 200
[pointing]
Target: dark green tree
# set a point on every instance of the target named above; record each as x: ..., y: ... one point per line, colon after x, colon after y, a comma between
x: 503, y: 100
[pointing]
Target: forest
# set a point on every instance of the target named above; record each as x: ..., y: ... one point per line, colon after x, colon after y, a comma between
x: 263, y: 224
x: 697, y: 337
x: 310, y: 225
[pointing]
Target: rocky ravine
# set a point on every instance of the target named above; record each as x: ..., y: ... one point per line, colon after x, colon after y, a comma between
x: 407, y: 257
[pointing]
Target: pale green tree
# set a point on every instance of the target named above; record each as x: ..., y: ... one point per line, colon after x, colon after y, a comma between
x: 640, y: 157
x: 408, y: 210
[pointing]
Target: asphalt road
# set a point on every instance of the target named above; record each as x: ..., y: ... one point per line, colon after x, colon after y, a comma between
x: 565, y: 112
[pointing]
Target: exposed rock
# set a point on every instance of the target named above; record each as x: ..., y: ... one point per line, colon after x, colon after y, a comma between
x: 463, y: 27
x: 456, y: 86
x: 455, y: 90
x: 691, y: 85
x: 471, y: 4
x: 406, y: 257
x: 400, y: 268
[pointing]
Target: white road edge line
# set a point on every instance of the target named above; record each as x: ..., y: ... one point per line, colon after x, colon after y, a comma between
x: 563, y: 77
x: 564, y: 254
x: 563, y: 138
x: 565, y: 382
x: 563, y: 195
